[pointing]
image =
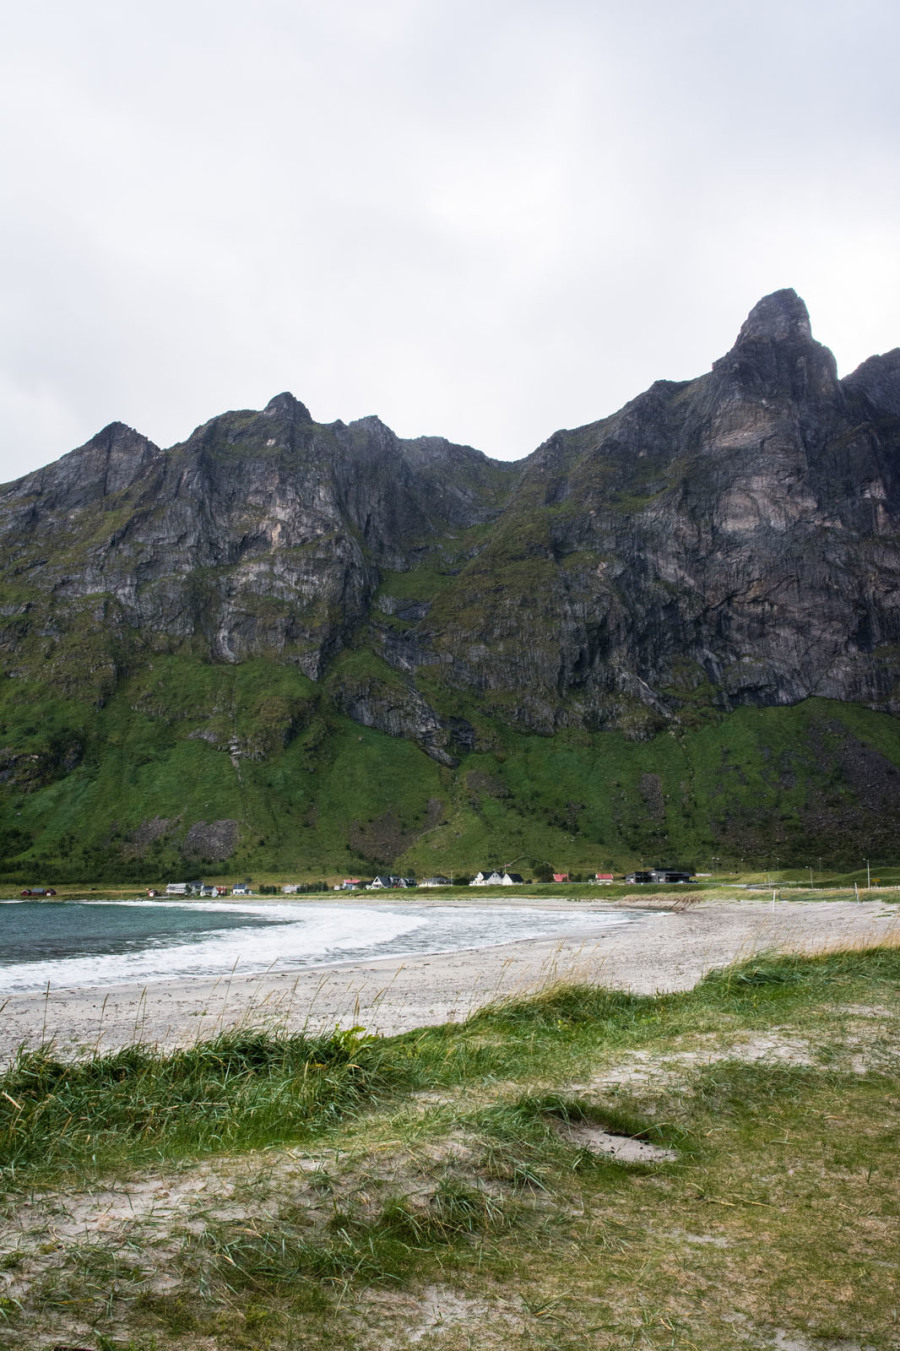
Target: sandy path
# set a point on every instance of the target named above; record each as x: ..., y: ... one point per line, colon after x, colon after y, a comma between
x: 662, y: 951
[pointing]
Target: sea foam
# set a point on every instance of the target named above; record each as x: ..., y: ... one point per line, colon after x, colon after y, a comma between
x: 288, y: 936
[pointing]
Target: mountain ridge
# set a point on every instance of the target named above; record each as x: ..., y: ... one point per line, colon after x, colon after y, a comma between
x: 723, y: 543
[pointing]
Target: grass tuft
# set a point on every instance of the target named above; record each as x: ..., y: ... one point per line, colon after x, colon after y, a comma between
x: 240, y: 1090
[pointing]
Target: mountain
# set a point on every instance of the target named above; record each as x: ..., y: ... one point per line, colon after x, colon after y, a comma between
x: 286, y: 645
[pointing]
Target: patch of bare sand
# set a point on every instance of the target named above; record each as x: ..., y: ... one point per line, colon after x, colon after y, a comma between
x: 410, y: 1318
x: 857, y: 1051
x: 622, y: 1147
x: 661, y: 951
x: 151, y: 1215
x: 795, y: 1341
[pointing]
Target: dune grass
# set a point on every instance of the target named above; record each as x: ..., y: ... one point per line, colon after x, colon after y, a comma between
x: 440, y: 1189
x: 241, y: 1090
x: 247, y: 1089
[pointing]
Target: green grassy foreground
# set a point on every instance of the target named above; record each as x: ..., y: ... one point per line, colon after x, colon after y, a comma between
x: 443, y: 1188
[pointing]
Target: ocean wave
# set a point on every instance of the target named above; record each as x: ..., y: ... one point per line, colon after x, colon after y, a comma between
x: 295, y: 936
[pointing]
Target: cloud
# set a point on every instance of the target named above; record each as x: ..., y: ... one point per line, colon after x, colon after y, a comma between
x: 478, y: 221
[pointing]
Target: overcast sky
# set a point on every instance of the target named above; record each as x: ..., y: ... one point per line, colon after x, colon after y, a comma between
x: 478, y: 220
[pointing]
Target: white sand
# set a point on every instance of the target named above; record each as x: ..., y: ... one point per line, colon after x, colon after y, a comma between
x: 664, y: 951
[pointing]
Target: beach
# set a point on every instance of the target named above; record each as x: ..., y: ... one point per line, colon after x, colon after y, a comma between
x: 663, y: 950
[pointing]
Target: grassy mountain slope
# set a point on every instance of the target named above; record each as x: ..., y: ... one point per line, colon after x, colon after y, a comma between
x: 193, y: 767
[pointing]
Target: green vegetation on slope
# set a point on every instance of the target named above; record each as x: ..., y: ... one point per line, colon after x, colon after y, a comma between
x: 191, y: 767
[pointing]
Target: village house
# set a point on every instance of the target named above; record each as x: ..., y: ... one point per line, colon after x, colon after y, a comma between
x: 643, y: 876
x: 490, y: 877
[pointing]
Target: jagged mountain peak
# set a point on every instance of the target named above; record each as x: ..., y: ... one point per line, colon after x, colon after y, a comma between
x: 106, y: 464
x: 878, y: 381
x: 115, y: 434
x: 779, y: 317
x: 377, y: 435
x: 774, y: 359
x: 286, y: 405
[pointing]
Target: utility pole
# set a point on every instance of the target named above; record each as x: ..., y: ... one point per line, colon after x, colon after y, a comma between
x: 868, y: 876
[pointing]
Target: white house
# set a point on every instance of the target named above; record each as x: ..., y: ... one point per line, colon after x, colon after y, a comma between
x: 488, y: 877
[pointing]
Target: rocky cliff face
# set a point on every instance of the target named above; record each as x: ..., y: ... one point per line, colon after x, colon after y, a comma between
x: 732, y: 539
x: 729, y: 540
x: 263, y: 534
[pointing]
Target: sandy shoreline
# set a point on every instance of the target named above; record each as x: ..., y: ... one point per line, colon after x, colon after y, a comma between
x: 662, y: 951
